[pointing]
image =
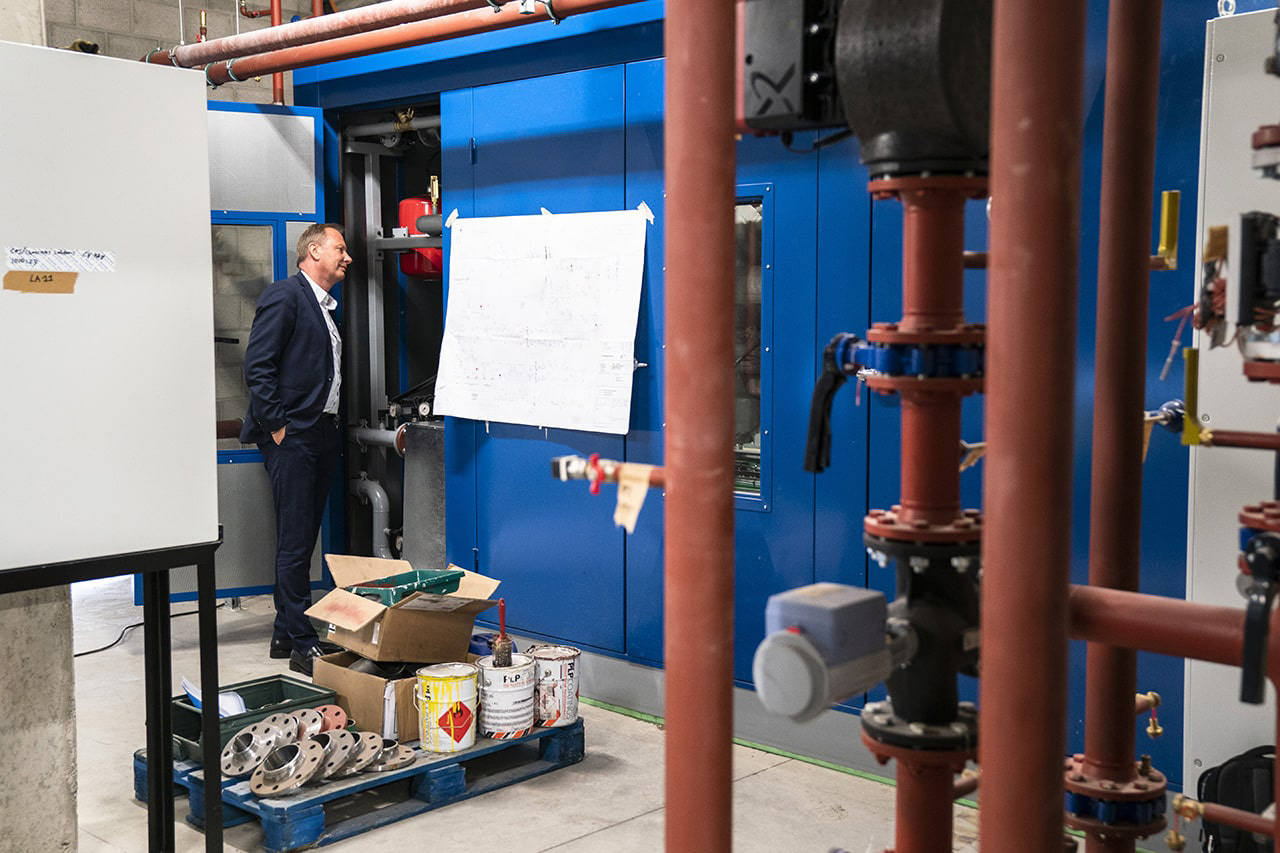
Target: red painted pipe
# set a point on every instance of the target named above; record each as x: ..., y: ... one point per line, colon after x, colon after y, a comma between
x: 930, y: 435
x: 699, y: 174
x: 1036, y: 140
x: 1152, y: 623
x: 1124, y: 270
x: 277, y: 79
x: 932, y: 240
x: 923, y: 788
x: 406, y: 35
x: 308, y: 31
x: 317, y: 8
x: 1235, y: 438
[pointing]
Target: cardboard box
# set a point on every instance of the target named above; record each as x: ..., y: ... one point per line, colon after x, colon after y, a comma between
x: 374, y: 704
x: 421, y: 627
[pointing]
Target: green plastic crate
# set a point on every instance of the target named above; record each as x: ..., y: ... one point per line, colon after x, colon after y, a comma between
x: 393, y: 588
x: 262, y: 697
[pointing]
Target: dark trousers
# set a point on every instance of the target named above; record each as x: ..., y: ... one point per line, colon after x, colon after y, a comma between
x: 299, y: 469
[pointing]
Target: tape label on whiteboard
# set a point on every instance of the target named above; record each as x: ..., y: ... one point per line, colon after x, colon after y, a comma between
x: 29, y: 258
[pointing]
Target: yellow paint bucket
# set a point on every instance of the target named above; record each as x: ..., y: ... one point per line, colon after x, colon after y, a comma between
x: 446, y: 697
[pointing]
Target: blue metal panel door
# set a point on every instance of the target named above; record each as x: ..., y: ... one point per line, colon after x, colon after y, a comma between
x: 774, y: 530
x: 556, y: 143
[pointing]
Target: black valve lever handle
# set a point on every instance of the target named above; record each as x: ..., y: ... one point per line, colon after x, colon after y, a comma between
x: 1262, y: 555
x: 817, y: 450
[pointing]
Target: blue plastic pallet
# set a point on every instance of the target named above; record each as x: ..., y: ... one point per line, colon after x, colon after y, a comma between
x: 435, y: 780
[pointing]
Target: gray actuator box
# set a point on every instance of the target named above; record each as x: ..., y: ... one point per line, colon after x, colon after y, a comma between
x: 824, y: 643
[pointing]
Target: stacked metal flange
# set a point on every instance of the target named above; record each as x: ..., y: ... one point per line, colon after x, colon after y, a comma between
x: 288, y: 750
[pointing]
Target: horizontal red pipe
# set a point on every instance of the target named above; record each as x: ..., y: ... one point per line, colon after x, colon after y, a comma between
x: 1152, y: 623
x: 1236, y: 438
x: 310, y: 30
x: 405, y: 35
x: 1239, y: 818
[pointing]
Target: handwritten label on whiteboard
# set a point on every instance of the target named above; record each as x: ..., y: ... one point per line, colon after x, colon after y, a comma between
x: 541, y: 321
x: 59, y: 260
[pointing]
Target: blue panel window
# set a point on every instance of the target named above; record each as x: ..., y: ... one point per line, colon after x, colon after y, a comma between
x: 751, y: 347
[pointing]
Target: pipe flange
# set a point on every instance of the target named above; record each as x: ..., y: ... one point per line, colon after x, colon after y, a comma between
x: 287, y: 723
x: 1107, y: 808
x: 882, y: 725
x: 287, y: 768
x: 248, y: 747
x: 310, y: 723
x: 891, y: 334
x: 402, y: 756
x: 912, y: 385
x: 334, y: 718
x: 963, y: 532
x: 367, y: 749
x: 338, y: 746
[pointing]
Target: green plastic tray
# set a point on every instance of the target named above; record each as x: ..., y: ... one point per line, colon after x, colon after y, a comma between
x: 393, y: 588
x: 262, y: 697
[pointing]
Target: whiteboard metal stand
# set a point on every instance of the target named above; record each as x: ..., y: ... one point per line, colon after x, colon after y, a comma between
x: 154, y: 567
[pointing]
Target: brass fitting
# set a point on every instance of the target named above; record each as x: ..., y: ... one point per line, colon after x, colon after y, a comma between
x: 1152, y: 697
x: 1154, y: 729
x: 1175, y: 840
x: 1187, y: 807
x: 1144, y: 768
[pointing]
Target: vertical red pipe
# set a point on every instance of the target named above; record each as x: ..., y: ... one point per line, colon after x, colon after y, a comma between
x: 923, y: 789
x: 1037, y: 73
x: 932, y: 241
x: 699, y: 177
x: 277, y: 79
x: 1124, y: 248
x: 317, y: 8
x: 930, y: 449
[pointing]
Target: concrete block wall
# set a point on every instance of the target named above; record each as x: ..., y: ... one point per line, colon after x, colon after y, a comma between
x: 128, y: 29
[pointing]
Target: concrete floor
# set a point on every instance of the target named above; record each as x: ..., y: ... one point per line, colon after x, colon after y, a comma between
x: 611, y: 801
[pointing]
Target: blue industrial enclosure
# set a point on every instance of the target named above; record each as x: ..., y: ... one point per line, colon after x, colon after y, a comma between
x: 569, y: 118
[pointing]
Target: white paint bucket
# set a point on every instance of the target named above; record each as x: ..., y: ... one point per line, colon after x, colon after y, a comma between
x: 506, y: 697
x: 446, y: 697
x: 556, y: 700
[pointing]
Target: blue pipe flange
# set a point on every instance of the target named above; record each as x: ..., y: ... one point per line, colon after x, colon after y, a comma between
x: 923, y: 361
x: 1115, y: 812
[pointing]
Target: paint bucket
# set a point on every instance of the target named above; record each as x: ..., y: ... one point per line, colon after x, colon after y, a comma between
x: 506, y: 697
x: 446, y: 697
x: 556, y: 698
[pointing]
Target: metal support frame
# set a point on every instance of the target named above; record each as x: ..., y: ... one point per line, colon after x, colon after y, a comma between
x: 154, y: 567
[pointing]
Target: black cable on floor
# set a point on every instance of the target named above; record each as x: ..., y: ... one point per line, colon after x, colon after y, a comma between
x: 127, y: 628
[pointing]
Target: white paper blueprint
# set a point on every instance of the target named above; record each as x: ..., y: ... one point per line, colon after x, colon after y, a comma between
x: 540, y: 325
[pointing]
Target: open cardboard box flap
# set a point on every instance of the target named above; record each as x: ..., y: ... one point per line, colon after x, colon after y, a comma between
x: 421, y: 627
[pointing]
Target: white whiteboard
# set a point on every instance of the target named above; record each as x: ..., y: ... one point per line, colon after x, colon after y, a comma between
x: 1238, y: 97
x: 540, y: 326
x: 107, y: 435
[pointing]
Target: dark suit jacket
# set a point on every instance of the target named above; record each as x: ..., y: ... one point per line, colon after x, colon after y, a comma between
x: 288, y: 364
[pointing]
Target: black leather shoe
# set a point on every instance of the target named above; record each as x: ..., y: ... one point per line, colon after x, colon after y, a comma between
x: 303, y: 662
x: 280, y: 651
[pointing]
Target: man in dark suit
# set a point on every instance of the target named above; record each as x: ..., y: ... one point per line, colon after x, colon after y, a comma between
x: 293, y: 368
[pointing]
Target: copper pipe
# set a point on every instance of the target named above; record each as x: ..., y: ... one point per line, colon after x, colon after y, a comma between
x: 310, y: 30
x: 405, y: 35
x: 1124, y: 271
x: 1236, y: 438
x: 930, y: 435
x: 1215, y: 813
x: 699, y: 167
x: 317, y: 8
x: 1036, y: 139
x: 1152, y: 623
x: 277, y: 79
